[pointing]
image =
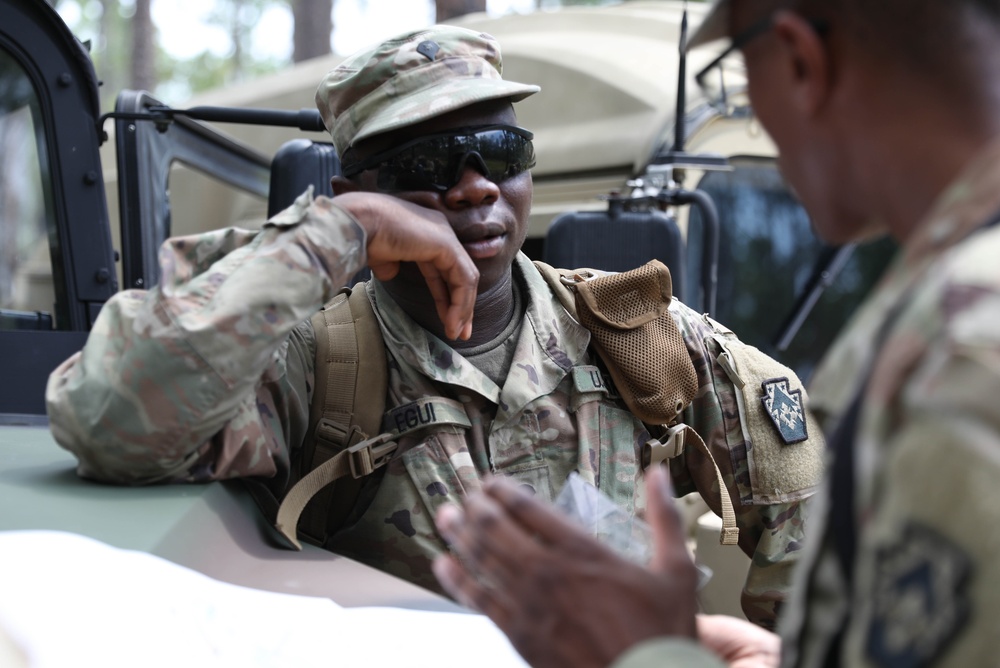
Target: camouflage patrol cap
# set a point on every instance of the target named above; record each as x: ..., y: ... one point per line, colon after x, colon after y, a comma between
x: 411, y: 78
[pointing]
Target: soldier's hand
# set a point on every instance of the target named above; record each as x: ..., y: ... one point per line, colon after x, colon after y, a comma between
x: 739, y: 643
x: 563, y: 598
x: 400, y: 231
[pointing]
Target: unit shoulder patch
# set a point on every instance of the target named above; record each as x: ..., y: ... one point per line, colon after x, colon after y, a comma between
x: 920, y: 602
x: 784, y: 406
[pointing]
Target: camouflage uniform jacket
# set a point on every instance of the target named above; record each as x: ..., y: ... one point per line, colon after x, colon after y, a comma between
x: 209, y: 375
x: 926, y: 584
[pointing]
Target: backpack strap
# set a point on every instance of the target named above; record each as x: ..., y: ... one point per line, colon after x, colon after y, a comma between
x: 560, y: 286
x: 676, y: 437
x: 347, y: 407
x: 671, y: 444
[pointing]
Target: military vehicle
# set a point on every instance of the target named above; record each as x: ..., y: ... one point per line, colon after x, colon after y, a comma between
x: 58, y: 265
x: 623, y: 132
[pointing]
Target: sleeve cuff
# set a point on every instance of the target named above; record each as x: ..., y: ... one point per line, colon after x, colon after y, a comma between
x: 668, y: 653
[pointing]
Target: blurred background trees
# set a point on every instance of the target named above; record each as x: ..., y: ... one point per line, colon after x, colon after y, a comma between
x: 227, y: 41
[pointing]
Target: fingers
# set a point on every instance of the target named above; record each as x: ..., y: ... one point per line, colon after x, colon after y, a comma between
x: 399, y: 231
x: 470, y: 590
x: 739, y: 643
x: 669, y: 548
x: 454, y: 301
x: 541, y: 520
x: 486, y: 541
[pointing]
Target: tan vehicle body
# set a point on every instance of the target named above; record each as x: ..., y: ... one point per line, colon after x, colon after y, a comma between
x: 609, y: 84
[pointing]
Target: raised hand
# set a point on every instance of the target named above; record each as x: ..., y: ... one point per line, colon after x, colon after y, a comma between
x: 563, y: 598
x: 400, y: 231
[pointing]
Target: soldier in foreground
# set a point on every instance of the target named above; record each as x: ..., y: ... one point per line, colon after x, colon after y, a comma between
x: 212, y: 374
x: 887, y: 117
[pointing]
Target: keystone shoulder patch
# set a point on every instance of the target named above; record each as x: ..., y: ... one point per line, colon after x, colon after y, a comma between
x: 920, y: 601
x: 784, y: 407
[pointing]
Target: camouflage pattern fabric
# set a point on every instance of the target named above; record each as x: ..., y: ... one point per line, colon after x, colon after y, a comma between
x: 927, y: 580
x: 209, y: 376
x: 926, y: 588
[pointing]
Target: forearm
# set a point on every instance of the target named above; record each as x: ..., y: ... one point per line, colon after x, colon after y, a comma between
x: 165, y: 371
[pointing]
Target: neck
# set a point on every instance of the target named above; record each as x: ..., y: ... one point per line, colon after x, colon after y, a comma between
x: 493, y: 311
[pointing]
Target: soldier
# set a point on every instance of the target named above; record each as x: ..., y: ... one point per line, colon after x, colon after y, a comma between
x: 210, y: 375
x: 887, y: 117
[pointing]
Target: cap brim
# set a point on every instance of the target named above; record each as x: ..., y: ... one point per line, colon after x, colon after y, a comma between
x: 441, y: 99
x: 714, y: 27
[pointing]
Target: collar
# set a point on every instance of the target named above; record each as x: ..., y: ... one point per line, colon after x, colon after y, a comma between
x: 550, y: 343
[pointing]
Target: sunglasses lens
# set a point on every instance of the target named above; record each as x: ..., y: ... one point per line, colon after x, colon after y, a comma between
x: 436, y: 163
x: 414, y: 169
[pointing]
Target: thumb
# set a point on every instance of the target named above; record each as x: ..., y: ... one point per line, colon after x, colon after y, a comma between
x: 669, y: 543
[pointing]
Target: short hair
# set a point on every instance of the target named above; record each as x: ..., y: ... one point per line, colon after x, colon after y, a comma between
x: 927, y: 35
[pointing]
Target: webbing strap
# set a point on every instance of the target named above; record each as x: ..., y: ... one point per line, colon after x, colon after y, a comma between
x: 348, y: 401
x: 561, y: 290
x: 351, y: 328
x: 357, y: 461
x: 677, y: 438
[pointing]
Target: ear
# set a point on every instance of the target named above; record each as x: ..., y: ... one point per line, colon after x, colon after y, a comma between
x: 809, y: 60
x: 343, y: 185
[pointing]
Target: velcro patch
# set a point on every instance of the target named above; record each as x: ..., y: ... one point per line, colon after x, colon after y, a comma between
x: 424, y: 413
x: 784, y: 406
x: 775, y: 471
x: 920, y: 601
x: 588, y: 378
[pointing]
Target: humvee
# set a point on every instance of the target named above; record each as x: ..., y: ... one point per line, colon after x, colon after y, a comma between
x: 623, y: 133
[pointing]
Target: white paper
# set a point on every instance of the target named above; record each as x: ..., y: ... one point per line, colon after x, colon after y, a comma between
x: 71, y: 601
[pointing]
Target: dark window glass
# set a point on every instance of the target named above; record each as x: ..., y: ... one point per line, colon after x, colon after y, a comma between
x: 29, y: 295
x: 768, y: 256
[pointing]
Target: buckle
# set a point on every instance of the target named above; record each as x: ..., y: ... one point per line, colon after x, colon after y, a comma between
x: 577, y: 277
x: 366, y: 456
x: 332, y: 432
x: 669, y: 445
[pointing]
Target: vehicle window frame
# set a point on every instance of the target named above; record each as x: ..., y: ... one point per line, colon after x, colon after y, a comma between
x: 66, y: 85
x: 146, y: 150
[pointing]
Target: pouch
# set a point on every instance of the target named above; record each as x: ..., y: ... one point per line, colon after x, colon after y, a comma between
x: 638, y: 340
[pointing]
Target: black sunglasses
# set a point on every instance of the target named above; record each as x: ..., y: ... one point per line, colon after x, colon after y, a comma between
x: 435, y: 162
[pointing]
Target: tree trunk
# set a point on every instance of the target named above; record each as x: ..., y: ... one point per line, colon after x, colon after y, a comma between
x: 142, y: 64
x: 313, y: 27
x: 449, y: 9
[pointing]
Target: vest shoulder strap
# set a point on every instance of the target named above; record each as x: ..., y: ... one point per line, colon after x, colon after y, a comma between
x: 562, y: 290
x: 348, y: 403
x: 350, y: 373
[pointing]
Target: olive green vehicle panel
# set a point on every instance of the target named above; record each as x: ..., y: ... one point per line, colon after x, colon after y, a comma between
x: 213, y: 529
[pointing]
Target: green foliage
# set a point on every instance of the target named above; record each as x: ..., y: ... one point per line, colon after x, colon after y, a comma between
x: 107, y: 26
x: 181, y: 78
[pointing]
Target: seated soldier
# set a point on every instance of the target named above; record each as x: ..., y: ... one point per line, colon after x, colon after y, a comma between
x: 211, y: 374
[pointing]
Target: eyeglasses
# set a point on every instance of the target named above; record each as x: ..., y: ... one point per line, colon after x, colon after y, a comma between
x: 436, y: 162
x: 714, y: 89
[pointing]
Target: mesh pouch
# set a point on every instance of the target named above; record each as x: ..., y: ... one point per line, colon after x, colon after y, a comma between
x: 638, y: 340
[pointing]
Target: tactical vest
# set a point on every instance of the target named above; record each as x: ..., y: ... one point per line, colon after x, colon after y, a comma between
x: 631, y: 332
